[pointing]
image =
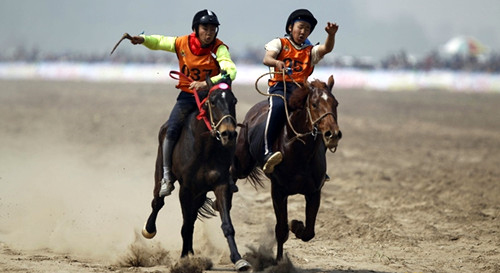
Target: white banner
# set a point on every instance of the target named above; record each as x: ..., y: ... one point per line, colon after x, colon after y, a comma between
x: 381, y: 80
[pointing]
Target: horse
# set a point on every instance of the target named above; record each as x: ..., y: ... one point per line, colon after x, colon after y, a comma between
x: 200, y: 161
x: 313, y: 112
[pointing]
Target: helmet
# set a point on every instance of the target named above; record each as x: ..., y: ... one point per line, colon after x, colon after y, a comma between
x: 204, y: 17
x: 301, y: 14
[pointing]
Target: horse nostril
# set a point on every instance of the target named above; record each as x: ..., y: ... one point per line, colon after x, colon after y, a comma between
x: 328, y: 134
x: 339, y: 134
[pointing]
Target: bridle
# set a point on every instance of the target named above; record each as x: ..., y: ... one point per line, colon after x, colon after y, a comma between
x: 214, y: 127
x: 314, y: 123
x: 209, y: 121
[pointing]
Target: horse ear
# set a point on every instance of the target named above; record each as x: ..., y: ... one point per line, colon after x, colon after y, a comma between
x: 331, y: 82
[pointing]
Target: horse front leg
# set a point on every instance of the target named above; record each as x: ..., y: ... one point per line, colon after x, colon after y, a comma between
x: 149, y: 230
x: 306, y: 233
x: 280, y: 204
x: 223, y: 201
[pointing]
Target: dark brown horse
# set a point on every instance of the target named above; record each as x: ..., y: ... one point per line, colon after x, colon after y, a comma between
x: 312, y: 129
x: 201, y: 162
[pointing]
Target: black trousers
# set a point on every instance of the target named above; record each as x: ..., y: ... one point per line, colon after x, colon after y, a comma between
x: 184, y: 105
x: 276, y: 116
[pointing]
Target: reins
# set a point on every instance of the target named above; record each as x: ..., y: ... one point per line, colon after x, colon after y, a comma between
x: 314, y: 129
x: 210, y: 124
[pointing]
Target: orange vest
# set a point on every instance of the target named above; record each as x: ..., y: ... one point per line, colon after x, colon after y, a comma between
x: 193, y: 66
x: 299, y: 60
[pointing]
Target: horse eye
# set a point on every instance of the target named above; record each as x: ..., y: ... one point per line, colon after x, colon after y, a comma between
x: 314, y: 105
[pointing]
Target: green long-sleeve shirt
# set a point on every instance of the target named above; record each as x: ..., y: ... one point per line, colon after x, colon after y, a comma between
x: 167, y: 43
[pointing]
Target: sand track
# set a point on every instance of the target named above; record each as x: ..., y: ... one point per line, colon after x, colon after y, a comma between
x: 415, y: 182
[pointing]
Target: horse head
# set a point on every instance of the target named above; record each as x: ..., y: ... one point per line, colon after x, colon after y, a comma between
x: 323, y: 111
x: 321, y: 106
x: 221, y: 106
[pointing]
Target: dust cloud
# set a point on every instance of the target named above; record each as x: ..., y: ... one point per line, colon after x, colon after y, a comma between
x: 65, y: 187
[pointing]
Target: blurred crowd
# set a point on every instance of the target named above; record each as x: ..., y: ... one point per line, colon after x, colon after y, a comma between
x: 489, y: 63
x: 481, y: 63
x: 433, y: 61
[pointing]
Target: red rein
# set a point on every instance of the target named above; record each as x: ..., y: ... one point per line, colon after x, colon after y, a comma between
x: 203, y: 114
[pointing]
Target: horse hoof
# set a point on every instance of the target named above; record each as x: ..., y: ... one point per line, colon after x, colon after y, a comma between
x: 146, y: 234
x: 297, y: 227
x: 242, y: 265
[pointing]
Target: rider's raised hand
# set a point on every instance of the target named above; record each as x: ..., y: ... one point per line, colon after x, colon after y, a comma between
x: 331, y: 28
x: 137, y: 40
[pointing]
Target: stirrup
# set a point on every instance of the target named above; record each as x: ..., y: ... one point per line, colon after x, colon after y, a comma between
x: 166, y: 187
x: 271, y: 162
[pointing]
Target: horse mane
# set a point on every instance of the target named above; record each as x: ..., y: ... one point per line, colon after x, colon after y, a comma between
x: 298, y: 97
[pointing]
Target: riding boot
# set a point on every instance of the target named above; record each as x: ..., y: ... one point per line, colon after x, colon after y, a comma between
x: 271, y: 160
x: 276, y: 118
x: 167, y: 183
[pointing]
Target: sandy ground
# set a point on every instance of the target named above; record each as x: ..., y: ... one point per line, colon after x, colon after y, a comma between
x: 415, y: 184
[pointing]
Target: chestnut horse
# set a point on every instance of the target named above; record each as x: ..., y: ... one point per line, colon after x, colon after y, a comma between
x: 311, y: 129
x: 201, y: 160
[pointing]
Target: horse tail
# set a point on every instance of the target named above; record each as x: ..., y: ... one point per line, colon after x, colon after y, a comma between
x: 255, y: 177
x: 206, y: 211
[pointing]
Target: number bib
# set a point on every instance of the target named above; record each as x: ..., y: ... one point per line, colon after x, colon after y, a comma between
x: 195, y: 67
x: 298, y: 60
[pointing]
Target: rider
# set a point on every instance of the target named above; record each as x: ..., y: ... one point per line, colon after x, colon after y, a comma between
x: 298, y: 56
x: 200, y: 54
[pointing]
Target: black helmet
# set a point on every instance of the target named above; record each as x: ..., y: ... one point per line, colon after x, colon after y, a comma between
x: 301, y: 14
x: 204, y: 17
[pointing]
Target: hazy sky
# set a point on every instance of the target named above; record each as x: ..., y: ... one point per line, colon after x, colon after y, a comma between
x: 367, y: 27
